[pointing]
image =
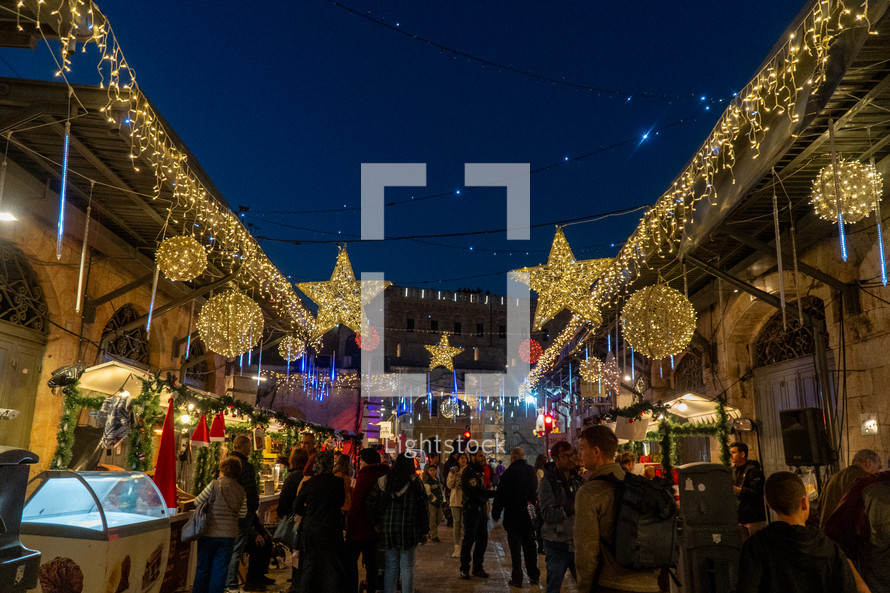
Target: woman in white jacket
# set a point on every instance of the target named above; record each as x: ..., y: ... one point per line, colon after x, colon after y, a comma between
x: 455, y: 500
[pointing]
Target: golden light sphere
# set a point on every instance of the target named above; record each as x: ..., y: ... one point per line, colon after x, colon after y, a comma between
x: 658, y: 321
x: 591, y: 369
x: 291, y: 348
x: 230, y: 323
x: 859, y: 183
x: 181, y: 258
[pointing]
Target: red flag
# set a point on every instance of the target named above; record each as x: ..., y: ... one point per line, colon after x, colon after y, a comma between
x: 200, y: 437
x: 165, y: 472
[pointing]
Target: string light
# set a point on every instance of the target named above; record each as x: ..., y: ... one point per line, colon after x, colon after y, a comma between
x: 860, y: 184
x: 443, y: 353
x: 181, y: 258
x: 530, y: 351
x: 81, y: 22
x: 230, y: 323
x: 658, y: 321
x: 563, y: 283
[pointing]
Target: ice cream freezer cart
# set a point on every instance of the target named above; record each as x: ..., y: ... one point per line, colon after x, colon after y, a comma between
x: 98, y: 532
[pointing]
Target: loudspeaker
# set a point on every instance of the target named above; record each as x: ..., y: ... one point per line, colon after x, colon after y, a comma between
x: 804, y: 438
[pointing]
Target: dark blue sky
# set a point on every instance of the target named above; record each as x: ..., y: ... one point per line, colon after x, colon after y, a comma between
x: 281, y: 102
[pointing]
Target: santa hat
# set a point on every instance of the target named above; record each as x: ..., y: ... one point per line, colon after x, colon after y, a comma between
x: 200, y: 437
x: 165, y: 471
x: 218, y: 429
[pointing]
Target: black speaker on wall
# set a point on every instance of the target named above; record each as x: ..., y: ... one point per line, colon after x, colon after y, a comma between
x: 804, y: 438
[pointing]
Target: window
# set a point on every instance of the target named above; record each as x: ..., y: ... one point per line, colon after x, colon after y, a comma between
x: 131, y: 344
x: 409, y: 325
x: 457, y: 328
x: 480, y: 329
x: 434, y: 325
x: 502, y: 331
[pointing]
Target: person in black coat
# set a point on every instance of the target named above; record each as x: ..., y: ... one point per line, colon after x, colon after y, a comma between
x: 747, y: 481
x: 475, y: 517
x: 241, y: 447
x: 288, y: 495
x: 322, y: 548
x: 516, y: 490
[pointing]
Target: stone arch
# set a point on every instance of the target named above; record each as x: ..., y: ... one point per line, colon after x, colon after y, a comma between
x: 778, y: 341
x: 22, y: 301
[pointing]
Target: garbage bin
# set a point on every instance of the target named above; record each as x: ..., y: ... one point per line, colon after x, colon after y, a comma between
x: 18, y: 564
x: 711, y: 542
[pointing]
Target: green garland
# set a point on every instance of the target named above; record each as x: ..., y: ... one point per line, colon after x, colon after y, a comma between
x: 634, y: 412
x: 256, y: 460
x: 147, y: 412
x: 74, y: 401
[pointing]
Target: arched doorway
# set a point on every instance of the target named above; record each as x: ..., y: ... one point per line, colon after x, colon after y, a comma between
x: 784, y: 376
x: 23, y: 325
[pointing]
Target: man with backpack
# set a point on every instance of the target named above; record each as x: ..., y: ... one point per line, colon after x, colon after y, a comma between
x: 596, y: 513
x: 556, y: 501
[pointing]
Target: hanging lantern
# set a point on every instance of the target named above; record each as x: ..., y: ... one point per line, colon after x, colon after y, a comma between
x: 230, y: 323
x: 291, y: 348
x: 181, y: 258
x: 859, y: 184
x: 369, y: 343
x: 530, y: 351
x: 658, y: 321
x: 591, y: 369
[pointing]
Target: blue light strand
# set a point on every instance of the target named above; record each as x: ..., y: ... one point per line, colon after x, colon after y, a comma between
x: 61, y: 227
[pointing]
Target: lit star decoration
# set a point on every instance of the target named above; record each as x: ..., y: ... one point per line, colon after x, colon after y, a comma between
x: 442, y: 354
x: 563, y: 283
x: 658, y: 321
x: 339, y: 299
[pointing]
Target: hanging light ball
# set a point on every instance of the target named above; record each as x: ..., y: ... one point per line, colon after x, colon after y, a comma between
x: 181, y: 258
x: 530, y: 351
x: 859, y: 183
x: 591, y: 369
x: 449, y: 407
x: 230, y: 323
x: 658, y: 321
x: 291, y: 348
x: 370, y: 342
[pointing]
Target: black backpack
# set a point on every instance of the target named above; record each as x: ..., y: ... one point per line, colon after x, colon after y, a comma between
x: 645, y: 523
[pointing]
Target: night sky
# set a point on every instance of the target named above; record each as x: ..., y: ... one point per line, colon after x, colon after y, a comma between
x: 281, y: 102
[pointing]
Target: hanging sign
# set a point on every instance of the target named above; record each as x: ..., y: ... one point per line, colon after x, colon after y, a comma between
x: 385, y: 429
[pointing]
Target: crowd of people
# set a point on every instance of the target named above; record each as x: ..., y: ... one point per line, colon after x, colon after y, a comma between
x: 564, y: 507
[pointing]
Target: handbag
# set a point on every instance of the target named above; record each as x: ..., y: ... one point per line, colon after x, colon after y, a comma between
x: 197, y: 525
x: 288, y: 531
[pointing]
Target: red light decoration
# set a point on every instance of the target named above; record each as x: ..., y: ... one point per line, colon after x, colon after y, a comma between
x: 372, y: 341
x: 530, y: 351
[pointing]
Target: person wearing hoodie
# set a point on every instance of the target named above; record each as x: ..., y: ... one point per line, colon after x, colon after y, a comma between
x: 361, y: 538
x: 787, y: 556
x: 596, y: 518
x: 398, y: 504
x: 556, y: 501
x: 455, y: 500
x: 517, y: 489
x: 475, y: 516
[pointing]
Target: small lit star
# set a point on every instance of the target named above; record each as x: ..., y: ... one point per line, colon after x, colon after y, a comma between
x: 443, y: 353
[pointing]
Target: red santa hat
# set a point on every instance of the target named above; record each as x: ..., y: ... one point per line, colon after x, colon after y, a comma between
x: 200, y: 438
x: 218, y: 429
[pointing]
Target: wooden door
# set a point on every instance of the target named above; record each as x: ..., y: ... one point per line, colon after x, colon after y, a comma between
x: 20, y: 366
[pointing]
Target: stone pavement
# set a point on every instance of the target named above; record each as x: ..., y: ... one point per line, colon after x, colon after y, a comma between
x: 437, y: 572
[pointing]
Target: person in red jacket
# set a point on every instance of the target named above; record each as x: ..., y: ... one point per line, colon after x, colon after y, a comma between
x: 361, y: 538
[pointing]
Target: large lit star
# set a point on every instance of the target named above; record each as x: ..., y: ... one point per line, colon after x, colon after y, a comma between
x: 340, y: 299
x: 563, y: 283
x: 442, y: 354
